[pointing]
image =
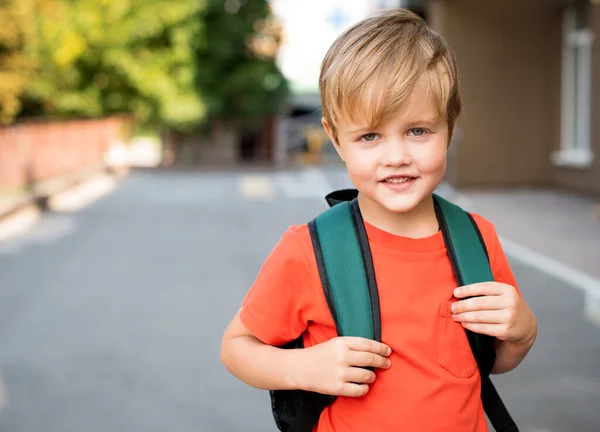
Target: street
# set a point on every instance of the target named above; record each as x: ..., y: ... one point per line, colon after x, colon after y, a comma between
x: 111, y: 317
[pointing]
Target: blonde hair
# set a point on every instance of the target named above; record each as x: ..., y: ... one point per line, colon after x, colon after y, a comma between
x: 370, y: 70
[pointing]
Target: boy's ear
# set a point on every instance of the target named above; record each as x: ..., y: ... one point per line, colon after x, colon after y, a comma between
x: 332, y: 137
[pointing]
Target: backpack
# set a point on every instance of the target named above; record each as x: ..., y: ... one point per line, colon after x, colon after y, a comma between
x: 340, y: 242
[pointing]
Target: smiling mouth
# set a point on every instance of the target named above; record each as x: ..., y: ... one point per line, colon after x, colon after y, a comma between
x: 398, y: 180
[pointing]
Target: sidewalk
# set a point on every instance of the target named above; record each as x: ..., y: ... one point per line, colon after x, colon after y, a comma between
x: 19, y: 211
x: 562, y: 226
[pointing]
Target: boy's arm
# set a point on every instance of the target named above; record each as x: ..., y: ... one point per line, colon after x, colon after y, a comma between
x: 257, y: 364
x: 337, y: 367
x: 509, y: 354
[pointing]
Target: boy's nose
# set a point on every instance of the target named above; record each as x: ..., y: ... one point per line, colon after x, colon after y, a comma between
x: 395, y: 154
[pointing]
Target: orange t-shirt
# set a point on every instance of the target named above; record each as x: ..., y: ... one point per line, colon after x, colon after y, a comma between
x: 433, y: 383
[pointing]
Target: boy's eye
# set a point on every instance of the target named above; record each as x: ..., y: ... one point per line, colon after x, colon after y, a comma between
x: 417, y: 132
x: 369, y: 137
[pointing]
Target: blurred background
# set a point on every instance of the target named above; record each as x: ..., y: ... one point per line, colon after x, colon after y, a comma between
x: 152, y: 153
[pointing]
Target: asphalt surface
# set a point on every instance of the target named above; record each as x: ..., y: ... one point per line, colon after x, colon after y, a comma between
x: 111, y: 317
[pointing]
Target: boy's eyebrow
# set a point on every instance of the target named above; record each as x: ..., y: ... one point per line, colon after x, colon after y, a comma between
x: 433, y: 120
x: 362, y: 129
x: 410, y: 123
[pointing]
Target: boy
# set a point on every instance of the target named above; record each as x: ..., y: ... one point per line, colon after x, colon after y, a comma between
x: 390, y: 97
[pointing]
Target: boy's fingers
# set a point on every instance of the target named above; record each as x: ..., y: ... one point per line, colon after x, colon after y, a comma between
x: 368, y: 359
x: 479, y: 289
x: 486, y: 317
x: 478, y: 303
x: 495, y: 330
x: 360, y: 375
x: 369, y: 345
x: 354, y: 390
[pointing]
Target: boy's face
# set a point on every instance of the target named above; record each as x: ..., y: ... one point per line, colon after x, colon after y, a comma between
x: 397, y: 165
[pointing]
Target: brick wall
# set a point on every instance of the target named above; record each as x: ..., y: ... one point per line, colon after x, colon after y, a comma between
x: 38, y: 151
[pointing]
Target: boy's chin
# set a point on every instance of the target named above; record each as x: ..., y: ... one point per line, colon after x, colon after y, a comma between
x: 402, y: 203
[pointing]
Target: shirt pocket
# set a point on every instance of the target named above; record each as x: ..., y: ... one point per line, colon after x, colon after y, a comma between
x: 454, y: 351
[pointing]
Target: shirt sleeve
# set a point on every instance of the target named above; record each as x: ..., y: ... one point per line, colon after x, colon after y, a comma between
x: 499, y: 263
x: 274, y: 307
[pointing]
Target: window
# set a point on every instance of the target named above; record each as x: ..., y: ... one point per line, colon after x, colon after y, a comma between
x: 575, y: 147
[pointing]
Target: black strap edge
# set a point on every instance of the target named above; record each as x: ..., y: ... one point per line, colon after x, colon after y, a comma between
x: 478, y: 231
x: 310, y: 411
x: 367, y: 257
x: 495, y: 408
x: 448, y: 242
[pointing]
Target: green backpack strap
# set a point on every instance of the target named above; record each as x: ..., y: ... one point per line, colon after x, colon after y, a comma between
x: 469, y: 260
x: 470, y: 263
x: 345, y: 266
x: 346, y: 270
x: 465, y: 243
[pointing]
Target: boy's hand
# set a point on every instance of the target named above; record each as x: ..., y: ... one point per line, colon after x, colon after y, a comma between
x: 497, y: 310
x: 337, y: 367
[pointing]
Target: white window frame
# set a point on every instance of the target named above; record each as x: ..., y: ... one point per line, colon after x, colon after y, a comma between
x: 576, y: 105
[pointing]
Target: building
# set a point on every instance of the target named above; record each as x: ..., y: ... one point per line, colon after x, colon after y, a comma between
x: 530, y: 78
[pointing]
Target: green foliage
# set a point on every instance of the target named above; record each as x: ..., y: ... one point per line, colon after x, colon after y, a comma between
x: 179, y: 63
x: 238, y: 75
x: 16, y: 60
x: 101, y: 57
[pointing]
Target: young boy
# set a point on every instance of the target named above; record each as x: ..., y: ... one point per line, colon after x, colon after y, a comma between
x: 390, y: 97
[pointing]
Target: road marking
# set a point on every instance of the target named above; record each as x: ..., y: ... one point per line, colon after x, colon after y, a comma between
x: 291, y: 186
x: 256, y: 187
x: 308, y: 183
x: 3, y: 395
x: 575, y: 278
x: 317, y: 181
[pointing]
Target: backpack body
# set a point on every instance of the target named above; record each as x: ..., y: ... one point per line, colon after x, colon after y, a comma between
x: 347, y: 276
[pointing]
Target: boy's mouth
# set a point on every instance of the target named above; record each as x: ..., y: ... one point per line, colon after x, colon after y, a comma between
x: 397, y: 179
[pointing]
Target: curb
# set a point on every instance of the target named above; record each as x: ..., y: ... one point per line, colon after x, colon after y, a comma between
x: 27, y: 209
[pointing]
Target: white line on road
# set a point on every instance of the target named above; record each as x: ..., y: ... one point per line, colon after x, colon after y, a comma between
x: 257, y: 187
x: 310, y: 182
x: 317, y: 182
x: 575, y: 278
x: 290, y: 187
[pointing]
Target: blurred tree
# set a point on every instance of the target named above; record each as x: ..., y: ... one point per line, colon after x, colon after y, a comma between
x: 16, y: 58
x: 238, y: 77
x: 173, y: 63
x: 101, y: 57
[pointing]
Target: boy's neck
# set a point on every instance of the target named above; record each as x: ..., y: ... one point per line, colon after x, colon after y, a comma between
x: 418, y: 223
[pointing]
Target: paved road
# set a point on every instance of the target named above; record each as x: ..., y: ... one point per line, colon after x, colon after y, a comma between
x: 111, y: 317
